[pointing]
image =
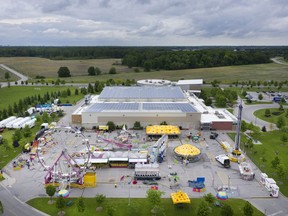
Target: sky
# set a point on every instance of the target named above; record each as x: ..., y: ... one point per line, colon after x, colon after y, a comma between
x: 143, y: 22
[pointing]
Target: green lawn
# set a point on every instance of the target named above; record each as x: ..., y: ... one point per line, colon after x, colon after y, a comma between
x: 263, y: 154
x: 48, y: 68
x: 273, y: 118
x: 14, y: 93
x: 7, y: 151
x: 141, y: 207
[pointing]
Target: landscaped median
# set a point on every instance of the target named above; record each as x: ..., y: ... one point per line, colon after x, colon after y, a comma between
x: 138, y: 206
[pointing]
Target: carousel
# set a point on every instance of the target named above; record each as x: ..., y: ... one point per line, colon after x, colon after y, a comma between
x: 187, y: 153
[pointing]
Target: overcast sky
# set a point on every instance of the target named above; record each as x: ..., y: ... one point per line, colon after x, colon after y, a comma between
x: 143, y: 22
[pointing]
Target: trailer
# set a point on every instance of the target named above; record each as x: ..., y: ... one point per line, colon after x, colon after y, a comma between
x: 30, y: 123
x: 223, y: 160
x: 19, y: 124
x: 7, y: 120
x: 147, y: 172
x: 10, y: 124
x: 246, y: 171
x: 268, y: 183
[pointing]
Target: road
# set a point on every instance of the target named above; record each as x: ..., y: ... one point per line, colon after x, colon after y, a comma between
x: 275, y: 60
x: 21, y: 76
x: 15, y: 207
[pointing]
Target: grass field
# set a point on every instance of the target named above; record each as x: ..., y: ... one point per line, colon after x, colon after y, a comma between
x: 2, y: 76
x: 273, y: 119
x: 48, y: 68
x: 262, y: 155
x: 14, y: 93
x: 141, y: 207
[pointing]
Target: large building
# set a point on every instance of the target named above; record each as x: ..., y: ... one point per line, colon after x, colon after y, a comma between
x: 151, y: 105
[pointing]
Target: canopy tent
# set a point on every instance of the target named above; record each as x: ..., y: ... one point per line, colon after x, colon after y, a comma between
x: 162, y: 130
x: 180, y: 197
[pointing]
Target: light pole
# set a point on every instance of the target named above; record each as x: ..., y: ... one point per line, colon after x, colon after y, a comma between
x: 229, y: 182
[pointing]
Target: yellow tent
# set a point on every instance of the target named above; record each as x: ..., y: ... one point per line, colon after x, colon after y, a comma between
x: 180, y: 197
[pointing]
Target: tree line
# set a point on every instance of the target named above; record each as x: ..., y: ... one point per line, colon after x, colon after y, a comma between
x: 19, y: 108
x: 175, y: 60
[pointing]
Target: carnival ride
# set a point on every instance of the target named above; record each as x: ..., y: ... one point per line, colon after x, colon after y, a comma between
x: 159, y: 150
x: 65, y: 155
x: 235, y: 155
x: 187, y: 153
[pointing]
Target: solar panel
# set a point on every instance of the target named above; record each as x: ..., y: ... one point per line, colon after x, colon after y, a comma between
x: 142, y: 92
x: 183, y: 107
x: 99, y: 107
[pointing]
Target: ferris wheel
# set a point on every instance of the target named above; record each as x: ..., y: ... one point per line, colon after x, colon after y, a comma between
x: 63, y: 152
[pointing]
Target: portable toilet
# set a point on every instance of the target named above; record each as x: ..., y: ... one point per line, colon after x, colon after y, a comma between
x: 274, y: 190
x: 269, y: 182
x: 263, y: 177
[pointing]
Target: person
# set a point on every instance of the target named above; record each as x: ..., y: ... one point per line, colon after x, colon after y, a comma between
x: 115, y: 185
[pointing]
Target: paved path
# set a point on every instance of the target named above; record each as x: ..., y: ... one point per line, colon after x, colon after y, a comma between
x: 279, y: 62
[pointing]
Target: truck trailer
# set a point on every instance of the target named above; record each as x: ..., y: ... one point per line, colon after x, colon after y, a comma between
x: 223, y: 160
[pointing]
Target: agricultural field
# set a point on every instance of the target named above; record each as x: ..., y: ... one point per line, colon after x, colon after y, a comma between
x: 2, y: 76
x: 139, y: 206
x: 78, y: 68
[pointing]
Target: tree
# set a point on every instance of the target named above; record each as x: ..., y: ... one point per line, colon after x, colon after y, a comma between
x: 7, y: 76
x: 60, y: 204
x: 45, y: 117
x: 111, y: 210
x: 203, y: 209
x: 50, y: 191
x: 16, y: 135
x: 112, y: 70
x: 111, y: 125
x: 64, y: 72
x: 284, y: 138
x: 209, y: 198
x: 76, y: 91
x: 280, y: 122
x: 98, y: 71
x: 260, y: 97
x: 248, y: 209
x: 275, y: 162
x: 91, y: 71
x: 100, y: 198
x: 154, y: 197
x: 280, y: 170
x: 226, y: 210
x: 81, y: 204
x: 26, y: 131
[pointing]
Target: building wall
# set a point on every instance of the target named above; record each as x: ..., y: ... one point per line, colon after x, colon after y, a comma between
x: 185, y: 120
x: 222, y: 125
x: 76, y: 119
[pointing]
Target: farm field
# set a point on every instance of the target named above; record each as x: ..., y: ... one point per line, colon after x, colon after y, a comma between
x: 48, y: 68
x: 140, y: 207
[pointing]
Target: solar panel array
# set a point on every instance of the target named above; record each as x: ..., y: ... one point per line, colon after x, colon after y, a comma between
x: 142, y: 92
x: 183, y: 107
x: 100, y: 107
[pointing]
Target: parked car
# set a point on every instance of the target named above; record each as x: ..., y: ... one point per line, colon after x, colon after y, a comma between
x: 213, y: 135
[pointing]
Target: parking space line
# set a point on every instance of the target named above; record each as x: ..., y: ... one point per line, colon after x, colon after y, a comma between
x: 211, y: 157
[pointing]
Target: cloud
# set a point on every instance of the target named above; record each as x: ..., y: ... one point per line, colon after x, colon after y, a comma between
x: 144, y: 22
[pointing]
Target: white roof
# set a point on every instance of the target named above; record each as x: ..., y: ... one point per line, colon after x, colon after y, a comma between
x: 134, y: 160
x: 190, y: 82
